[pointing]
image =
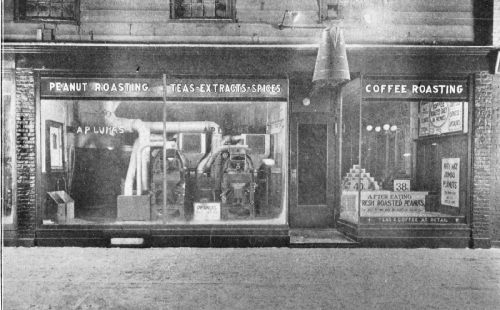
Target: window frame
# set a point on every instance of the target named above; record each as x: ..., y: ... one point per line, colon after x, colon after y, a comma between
x: 231, y: 18
x: 462, y: 212
x: 50, y: 124
x: 20, y: 17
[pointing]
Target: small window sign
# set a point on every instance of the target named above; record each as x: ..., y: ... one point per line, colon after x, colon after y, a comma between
x: 450, y: 182
x: 401, y: 185
x: 54, y: 146
x: 206, y: 211
x: 436, y: 118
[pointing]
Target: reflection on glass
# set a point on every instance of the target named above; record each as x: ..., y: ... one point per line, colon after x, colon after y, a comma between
x: 8, y: 173
x: 225, y: 162
x: 402, y: 167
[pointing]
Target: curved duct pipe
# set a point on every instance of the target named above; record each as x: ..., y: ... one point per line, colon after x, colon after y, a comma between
x: 144, y: 130
x: 194, y: 126
x: 142, y: 181
x: 142, y: 168
x: 129, y: 180
x: 217, y: 142
x: 206, y: 164
x: 130, y: 125
x: 217, y: 147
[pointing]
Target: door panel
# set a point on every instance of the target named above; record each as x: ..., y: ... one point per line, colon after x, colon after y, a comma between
x: 312, y: 160
x: 312, y: 192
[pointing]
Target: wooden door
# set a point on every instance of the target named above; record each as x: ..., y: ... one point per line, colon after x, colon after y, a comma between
x: 312, y: 170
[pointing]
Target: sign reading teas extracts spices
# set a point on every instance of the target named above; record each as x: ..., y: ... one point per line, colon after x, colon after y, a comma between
x: 382, y: 88
x: 234, y: 88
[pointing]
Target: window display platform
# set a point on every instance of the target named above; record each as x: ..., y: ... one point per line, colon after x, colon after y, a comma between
x: 426, y: 230
x: 320, y: 238
x: 107, y: 215
x: 164, y: 235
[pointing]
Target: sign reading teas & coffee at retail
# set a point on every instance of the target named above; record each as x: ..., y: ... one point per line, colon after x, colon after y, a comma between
x: 176, y: 88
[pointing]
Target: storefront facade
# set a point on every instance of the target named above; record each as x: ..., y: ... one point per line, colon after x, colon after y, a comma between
x: 250, y: 155
x: 96, y: 148
x: 399, y: 133
x: 217, y: 136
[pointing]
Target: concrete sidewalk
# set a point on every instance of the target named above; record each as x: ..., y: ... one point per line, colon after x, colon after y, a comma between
x: 253, y: 278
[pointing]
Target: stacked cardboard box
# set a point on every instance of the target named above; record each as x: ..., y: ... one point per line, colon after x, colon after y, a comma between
x: 358, y: 177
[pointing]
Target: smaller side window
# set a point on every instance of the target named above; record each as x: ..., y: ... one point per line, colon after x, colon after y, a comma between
x: 48, y: 10
x: 202, y: 9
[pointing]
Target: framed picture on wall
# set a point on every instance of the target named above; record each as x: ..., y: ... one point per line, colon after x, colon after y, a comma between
x: 54, y: 146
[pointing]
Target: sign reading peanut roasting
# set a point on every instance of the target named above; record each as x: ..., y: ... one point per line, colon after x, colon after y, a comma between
x: 177, y: 88
x: 385, y: 88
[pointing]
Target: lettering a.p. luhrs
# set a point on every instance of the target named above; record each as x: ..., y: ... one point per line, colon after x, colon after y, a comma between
x: 103, y: 130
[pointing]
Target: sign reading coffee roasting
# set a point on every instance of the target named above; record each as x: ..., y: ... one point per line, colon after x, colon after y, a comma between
x: 177, y: 88
x: 384, y: 88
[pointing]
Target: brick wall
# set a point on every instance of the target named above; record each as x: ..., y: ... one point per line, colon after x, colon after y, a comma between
x: 481, y: 165
x: 26, y: 149
x: 495, y: 162
x: 366, y: 21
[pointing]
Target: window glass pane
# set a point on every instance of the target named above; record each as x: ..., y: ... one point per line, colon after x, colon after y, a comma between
x: 201, y: 8
x: 350, y: 154
x: 7, y: 149
x: 384, y: 146
x: 413, y: 160
x: 220, y: 164
x: 49, y: 9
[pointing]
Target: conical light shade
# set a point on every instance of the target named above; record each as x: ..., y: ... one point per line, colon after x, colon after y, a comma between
x: 331, y: 63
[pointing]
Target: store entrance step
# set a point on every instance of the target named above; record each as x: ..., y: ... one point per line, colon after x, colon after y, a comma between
x: 320, y: 238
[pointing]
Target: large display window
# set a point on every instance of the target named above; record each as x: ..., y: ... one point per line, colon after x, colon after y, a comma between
x: 405, y: 151
x: 199, y: 160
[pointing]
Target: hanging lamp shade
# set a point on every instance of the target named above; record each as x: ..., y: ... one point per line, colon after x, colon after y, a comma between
x: 331, y: 63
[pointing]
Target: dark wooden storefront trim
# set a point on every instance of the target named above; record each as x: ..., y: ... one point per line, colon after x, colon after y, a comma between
x: 409, y: 235
x: 166, y: 236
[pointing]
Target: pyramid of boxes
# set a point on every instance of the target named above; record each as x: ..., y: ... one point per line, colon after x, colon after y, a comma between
x: 351, y: 180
